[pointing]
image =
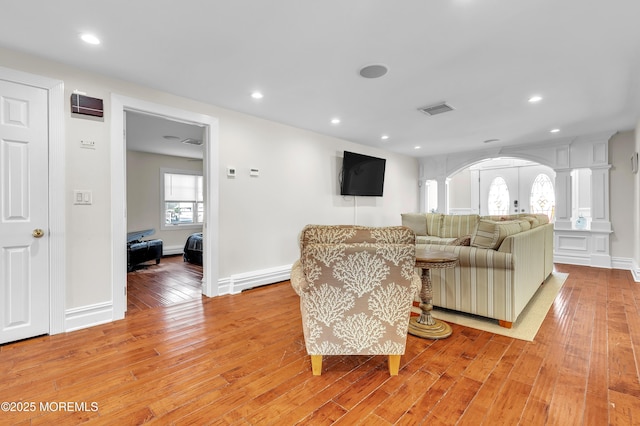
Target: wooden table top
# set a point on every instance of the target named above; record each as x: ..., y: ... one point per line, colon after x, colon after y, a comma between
x: 429, y: 256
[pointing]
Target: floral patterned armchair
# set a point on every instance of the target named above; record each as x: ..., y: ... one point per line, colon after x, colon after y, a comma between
x: 356, y: 286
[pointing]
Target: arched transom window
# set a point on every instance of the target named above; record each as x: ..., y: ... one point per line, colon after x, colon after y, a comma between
x: 498, y: 201
x: 543, y: 198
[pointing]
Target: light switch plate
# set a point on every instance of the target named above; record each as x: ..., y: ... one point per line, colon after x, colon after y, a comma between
x: 82, y: 197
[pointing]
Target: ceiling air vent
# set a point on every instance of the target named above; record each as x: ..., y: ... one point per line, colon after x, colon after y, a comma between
x: 436, y: 109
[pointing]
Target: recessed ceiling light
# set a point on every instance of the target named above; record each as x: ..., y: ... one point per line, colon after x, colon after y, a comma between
x: 535, y: 98
x: 417, y: 147
x: 335, y: 121
x: 90, y: 38
x: 257, y: 95
x: 491, y: 140
x: 384, y: 137
x: 373, y: 71
x: 554, y: 130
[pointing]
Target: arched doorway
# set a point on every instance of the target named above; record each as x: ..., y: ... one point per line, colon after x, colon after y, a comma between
x: 501, y: 186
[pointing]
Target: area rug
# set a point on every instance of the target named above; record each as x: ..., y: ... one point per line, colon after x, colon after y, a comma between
x: 529, y: 321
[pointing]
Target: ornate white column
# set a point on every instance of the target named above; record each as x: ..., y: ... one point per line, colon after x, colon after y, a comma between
x: 442, y: 194
x: 600, y: 221
x: 589, y: 246
x: 563, y: 199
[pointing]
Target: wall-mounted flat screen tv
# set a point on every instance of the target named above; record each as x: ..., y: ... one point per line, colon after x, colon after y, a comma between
x: 362, y: 175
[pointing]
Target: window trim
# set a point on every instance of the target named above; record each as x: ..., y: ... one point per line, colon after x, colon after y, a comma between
x: 547, y: 179
x: 163, y: 225
x: 503, y: 182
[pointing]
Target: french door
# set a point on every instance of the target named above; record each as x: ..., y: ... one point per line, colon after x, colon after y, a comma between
x: 518, y: 181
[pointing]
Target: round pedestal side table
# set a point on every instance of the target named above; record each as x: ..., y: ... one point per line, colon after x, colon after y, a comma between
x: 426, y: 325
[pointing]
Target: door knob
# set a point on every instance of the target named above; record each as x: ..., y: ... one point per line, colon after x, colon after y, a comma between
x: 38, y: 233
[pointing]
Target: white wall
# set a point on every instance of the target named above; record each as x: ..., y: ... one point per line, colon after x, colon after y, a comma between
x: 260, y: 218
x: 460, y: 191
x: 298, y: 185
x: 143, y: 195
x: 621, y: 146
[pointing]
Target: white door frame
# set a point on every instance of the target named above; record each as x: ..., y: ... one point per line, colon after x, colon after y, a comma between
x: 57, y: 200
x: 120, y: 104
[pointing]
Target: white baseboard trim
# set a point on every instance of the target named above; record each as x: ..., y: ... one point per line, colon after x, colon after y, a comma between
x: 239, y: 282
x: 171, y: 250
x: 627, y: 264
x: 624, y: 263
x: 88, y: 316
x: 225, y: 285
x: 572, y: 260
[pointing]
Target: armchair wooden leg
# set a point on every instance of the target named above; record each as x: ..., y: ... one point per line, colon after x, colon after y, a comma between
x: 316, y: 364
x: 394, y: 364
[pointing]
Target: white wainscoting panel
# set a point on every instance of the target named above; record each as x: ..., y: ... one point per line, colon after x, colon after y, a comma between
x: 572, y: 243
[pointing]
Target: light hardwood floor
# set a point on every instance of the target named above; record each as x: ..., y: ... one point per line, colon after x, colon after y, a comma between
x: 167, y: 283
x: 240, y: 359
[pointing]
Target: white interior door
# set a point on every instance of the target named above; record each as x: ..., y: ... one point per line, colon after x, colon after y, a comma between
x: 24, y: 207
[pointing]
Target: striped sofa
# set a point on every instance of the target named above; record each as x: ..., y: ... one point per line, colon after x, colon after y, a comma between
x: 503, y: 260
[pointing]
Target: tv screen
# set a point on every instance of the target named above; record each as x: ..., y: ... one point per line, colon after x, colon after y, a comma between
x: 362, y: 175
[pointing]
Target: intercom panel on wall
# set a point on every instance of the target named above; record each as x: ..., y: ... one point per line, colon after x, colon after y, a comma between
x: 85, y: 105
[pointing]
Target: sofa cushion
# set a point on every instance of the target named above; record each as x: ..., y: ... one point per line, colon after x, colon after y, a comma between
x: 416, y: 222
x: 429, y: 239
x: 490, y: 234
x: 525, y: 225
x: 434, y: 222
x: 499, y: 217
x: 533, y: 221
x: 536, y: 219
x: 454, y: 226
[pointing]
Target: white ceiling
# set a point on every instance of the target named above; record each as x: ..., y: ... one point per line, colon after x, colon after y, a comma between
x: 483, y: 57
x: 148, y: 133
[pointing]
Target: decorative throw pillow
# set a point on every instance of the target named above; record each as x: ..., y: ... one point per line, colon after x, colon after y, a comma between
x: 415, y: 221
x: 461, y: 241
x: 490, y: 234
x: 434, y: 221
x: 454, y: 226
